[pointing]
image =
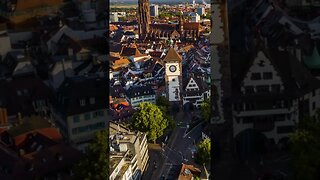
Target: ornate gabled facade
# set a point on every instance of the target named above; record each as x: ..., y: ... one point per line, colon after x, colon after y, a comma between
x: 195, y: 91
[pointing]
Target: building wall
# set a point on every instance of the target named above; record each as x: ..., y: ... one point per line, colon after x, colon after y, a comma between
x: 137, y: 100
x: 81, y: 129
x: 56, y: 76
x: 173, y: 81
x: 19, y: 36
x: 5, y: 45
x: 141, y: 149
x: 290, y: 119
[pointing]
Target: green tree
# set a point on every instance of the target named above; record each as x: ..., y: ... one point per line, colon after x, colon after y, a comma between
x: 164, y: 105
x: 95, y: 163
x: 163, y: 101
x: 203, y: 152
x: 205, y: 109
x: 149, y: 119
x: 305, y: 149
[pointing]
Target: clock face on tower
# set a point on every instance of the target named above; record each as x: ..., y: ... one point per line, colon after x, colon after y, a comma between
x: 172, y: 68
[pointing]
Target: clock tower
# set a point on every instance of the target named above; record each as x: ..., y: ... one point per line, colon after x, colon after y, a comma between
x: 173, y: 75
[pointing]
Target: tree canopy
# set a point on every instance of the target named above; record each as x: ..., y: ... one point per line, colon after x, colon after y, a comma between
x: 305, y: 149
x: 164, y: 105
x: 150, y: 119
x: 205, y: 108
x: 203, y: 152
x: 163, y: 101
x: 95, y: 163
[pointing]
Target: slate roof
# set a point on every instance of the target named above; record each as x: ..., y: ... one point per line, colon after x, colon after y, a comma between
x: 44, y: 163
x: 36, y: 90
x: 136, y: 91
x: 130, y: 51
x: 73, y: 89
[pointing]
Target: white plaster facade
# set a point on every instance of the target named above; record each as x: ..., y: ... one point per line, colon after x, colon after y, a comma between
x: 173, y: 81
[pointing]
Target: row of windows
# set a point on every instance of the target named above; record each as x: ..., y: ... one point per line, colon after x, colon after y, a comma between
x: 192, y: 85
x: 88, y: 128
x: 23, y: 92
x: 83, y: 102
x: 265, y: 75
x: 195, y: 89
x: 256, y: 119
x: 275, y: 88
x: 142, y: 97
x: 88, y: 116
x: 262, y: 106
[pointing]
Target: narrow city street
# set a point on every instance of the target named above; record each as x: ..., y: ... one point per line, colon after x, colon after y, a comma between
x: 178, y: 149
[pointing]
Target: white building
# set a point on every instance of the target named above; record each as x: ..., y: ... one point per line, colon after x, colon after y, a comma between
x: 195, y: 91
x: 195, y: 17
x: 201, y: 11
x: 154, y: 10
x: 272, y: 99
x: 113, y: 17
x: 139, y: 94
x: 173, y: 75
x: 129, y: 153
x: 80, y: 109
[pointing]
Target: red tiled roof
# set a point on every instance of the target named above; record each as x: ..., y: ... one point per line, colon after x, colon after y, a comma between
x: 51, y: 133
x: 2, y: 130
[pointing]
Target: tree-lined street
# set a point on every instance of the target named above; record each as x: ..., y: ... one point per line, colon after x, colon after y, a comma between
x: 179, y: 148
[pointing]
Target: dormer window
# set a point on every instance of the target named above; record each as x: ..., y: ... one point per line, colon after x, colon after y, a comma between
x: 92, y: 100
x: 82, y: 102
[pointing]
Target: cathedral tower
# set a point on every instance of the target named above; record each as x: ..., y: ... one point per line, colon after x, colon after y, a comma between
x: 144, y: 17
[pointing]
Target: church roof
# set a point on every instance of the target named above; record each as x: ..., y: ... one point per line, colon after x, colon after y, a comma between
x: 172, y: 55
x: 191, y: 26
x: 164, y: 26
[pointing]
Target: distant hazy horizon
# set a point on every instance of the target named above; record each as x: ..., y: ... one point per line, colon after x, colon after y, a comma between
x: 157, y: 1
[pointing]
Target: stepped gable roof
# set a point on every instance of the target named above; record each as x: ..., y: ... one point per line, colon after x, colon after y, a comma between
x: 172, y: 55
x: 74, y: 89
x: 136, y: 91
